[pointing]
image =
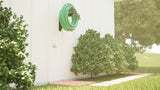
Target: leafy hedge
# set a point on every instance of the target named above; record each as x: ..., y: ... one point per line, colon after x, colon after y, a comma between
x: 13, y: 35
x: 94, y: 55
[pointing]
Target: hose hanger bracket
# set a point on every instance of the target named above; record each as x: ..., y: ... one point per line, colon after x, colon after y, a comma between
x: 68, y: 10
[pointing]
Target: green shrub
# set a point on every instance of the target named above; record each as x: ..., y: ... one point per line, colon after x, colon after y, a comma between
x: 123, y: 54
x: 129, y: 53
x: 89, y: 57
x: 94, y: 55
x: 13, y: 34
x: 117, y: 54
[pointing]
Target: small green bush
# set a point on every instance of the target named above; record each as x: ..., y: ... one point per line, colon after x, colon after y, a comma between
x: 94, y: 55
x: 13, y: 35
x: 123, y: 54
x: 118, y: 58
x: 89, y: 57
x: 129, y: 53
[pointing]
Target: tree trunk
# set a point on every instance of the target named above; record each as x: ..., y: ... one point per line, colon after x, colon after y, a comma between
x: 119, y: 34
x: 91, y: 76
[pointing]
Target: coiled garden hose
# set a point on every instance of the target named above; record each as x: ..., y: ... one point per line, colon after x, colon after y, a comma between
x: 68, y: 10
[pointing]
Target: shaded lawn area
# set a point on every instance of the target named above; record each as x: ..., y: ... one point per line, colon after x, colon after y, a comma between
x: 104, y: 78
x: 148, y: 62
x: 148, y: 70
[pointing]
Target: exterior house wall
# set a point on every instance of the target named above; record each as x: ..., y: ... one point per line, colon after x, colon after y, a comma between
x: 50, y: 49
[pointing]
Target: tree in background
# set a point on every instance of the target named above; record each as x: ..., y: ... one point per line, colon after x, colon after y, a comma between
x: 138, y: 20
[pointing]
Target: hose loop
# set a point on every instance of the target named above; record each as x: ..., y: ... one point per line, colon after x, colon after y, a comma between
x: 66, y: 11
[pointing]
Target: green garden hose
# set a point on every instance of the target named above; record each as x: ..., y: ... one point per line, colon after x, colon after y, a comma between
x: 68, y: 9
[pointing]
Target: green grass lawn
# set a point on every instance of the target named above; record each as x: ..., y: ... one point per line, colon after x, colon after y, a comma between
x: 148, y: 62
x: 149, y: 59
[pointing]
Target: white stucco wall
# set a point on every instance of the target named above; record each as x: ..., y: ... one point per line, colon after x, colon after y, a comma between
x: 54, y: 63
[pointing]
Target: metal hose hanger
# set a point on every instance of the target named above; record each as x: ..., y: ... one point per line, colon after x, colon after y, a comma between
x: 66, y: 11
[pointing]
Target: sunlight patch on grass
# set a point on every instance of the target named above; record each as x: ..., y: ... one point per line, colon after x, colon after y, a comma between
x: 148, y: 59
